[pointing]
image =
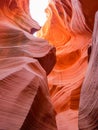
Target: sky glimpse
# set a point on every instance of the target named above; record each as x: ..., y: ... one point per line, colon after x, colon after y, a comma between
x: 37, y: 10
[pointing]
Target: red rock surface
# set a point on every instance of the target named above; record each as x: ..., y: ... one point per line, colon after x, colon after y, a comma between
x: 69, y: 28
x: 24, y: 95
x: 25, y: 60
x: 88, y: 110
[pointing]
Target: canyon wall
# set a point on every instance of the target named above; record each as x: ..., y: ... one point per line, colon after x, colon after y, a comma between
x: 27, y: 100
x: 69, y: 28
x: 88, y: 109
x: 24, y: 95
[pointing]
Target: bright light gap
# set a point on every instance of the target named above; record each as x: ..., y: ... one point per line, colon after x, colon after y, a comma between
x: 37, y: 10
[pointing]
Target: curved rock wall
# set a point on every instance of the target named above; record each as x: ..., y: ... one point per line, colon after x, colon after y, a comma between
x: 88, y: 110
x: 24, y: 96
x: 69, y: 28
x: 26, y: 60
x: 71, y: 37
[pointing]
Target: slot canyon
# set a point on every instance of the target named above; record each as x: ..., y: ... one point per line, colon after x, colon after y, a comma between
x: 49, y: 82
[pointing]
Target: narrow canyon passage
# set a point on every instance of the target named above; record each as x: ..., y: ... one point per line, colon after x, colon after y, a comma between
x: 45, y: 64
x: 69, y: 27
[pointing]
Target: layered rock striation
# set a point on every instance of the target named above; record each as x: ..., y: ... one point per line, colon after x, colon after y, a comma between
x: 69, y: 27
x: 88, y: 110
x: 24, y: 95
x: 27, y: 100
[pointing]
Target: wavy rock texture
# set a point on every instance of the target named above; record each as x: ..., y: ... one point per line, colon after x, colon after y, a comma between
x: 88, y: 110
x: 25, y: 60
x: 24, y: 96
x: 69, y: 28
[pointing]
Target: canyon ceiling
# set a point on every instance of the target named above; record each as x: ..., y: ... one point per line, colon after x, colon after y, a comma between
x: 49, y: 82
